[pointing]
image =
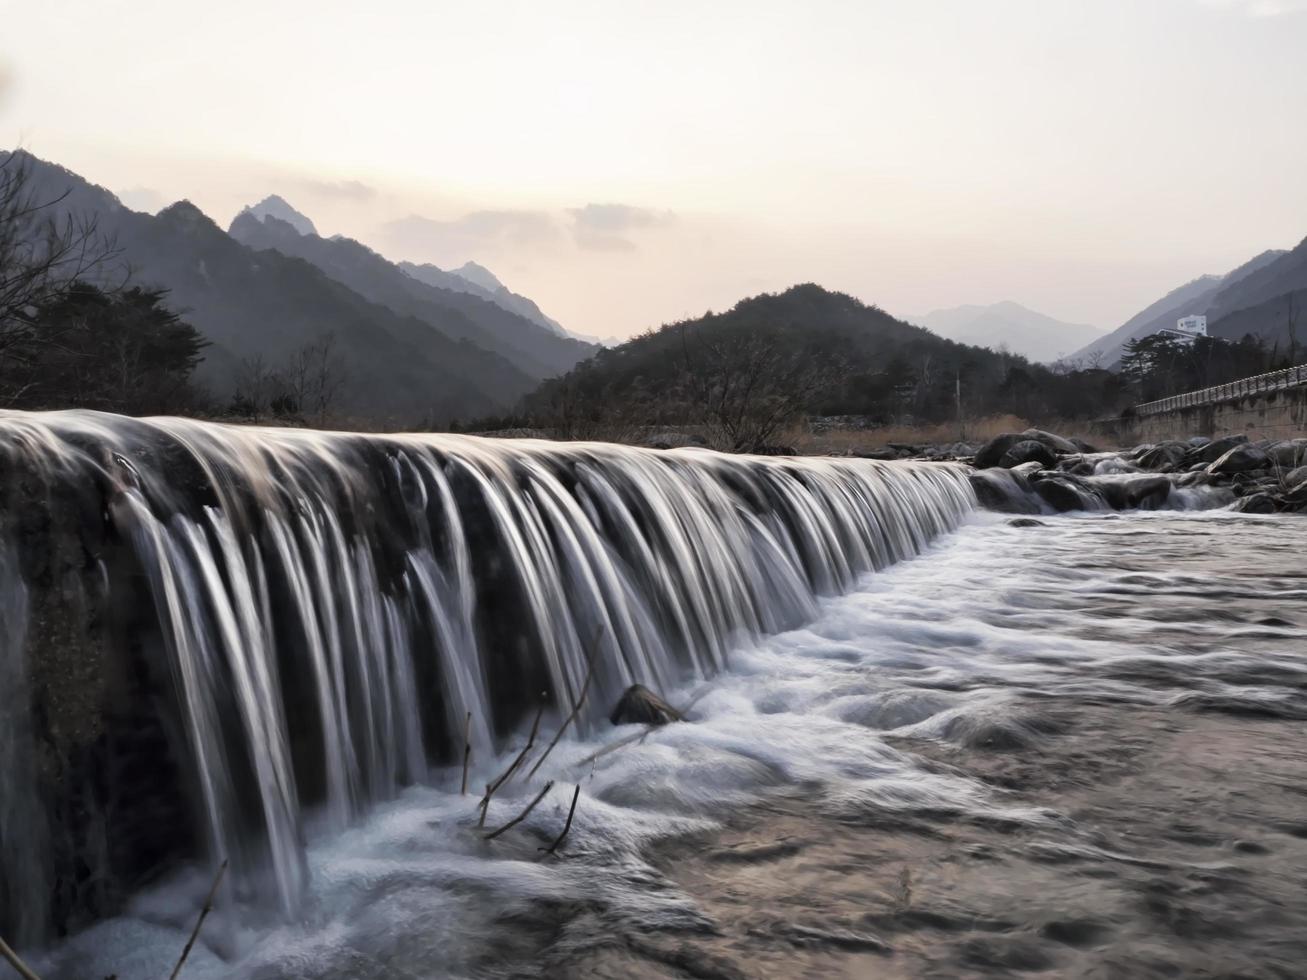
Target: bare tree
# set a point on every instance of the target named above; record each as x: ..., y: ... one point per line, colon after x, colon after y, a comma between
x: 319, y: 376
x: 43, y: 251
x: 746, y: 385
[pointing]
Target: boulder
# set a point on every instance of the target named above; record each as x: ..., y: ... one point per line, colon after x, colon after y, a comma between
x: 1139, y: 493
x: 991, y: 452
x: 1240, y: 459
x: 1198, y: 441
x: 1027, y: 470
x: 1288, y: 454
x: 1212, y: 451
x: 1052, y: 440
x: 1294, y: 477
x: 640, y: 706
x: 1028, y: 451
x: 1084, y: 447
x: 1004, y: 490
x: 1064, y: 492
x: 1255, y: 503
x: 1166, y: 456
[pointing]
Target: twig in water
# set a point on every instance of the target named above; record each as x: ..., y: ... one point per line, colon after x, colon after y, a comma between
x: 12, y: 959
x: 490, y: 790
x: 638, y: 736
x: 566, y: 827
x: 467, y: 748
x: 204, y: 912
x: 576, y: 707
x: 524, y: 814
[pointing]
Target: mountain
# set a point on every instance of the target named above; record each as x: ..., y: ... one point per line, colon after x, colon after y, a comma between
x: 273, y: 206
x: 535, y: 350
x: 480, y: 281
x: 1193, y: 297
x: 267, y: 305
x: 1269, y: 302
x: 806, y: 350
x: 1011, y: 325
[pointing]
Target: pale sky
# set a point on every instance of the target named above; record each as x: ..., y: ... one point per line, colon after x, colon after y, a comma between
x: 628, y: 163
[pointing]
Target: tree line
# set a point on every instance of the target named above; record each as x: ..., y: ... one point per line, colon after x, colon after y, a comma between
x: 76, y: 332
x: 741, y: 378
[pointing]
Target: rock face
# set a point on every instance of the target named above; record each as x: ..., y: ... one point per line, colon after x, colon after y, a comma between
x: 640, y: 706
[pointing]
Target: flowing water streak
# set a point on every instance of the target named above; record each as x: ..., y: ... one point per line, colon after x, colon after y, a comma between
x: 331, y: 606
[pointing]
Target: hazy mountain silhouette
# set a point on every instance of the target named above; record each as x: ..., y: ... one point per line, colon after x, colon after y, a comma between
x: 480, y: 281
x: 1020, y: 329
x: 1197, y: 296
x: 268, y: 305
x: 535, y: 350
x: 277, y: 207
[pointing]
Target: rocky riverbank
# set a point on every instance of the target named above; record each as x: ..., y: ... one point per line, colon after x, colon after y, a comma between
x: 1036, y: 471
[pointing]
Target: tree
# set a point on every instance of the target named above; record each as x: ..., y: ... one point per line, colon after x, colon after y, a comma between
x: 120, y: 351
x: 43, y: 253
x: 747, y: 383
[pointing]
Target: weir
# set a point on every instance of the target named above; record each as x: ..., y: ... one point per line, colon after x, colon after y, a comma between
x: 210, y: 632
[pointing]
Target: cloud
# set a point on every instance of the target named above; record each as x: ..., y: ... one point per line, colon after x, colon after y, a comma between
x: 346, y: 190
x: 1259, y: 8
x: 473, y: 234
x: 604, y: 227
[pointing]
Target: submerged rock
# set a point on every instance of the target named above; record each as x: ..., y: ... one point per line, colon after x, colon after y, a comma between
x: 641, y: 706
x: 1025, y: 522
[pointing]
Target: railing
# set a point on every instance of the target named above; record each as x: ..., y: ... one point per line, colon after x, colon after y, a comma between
x: 1272, y: 381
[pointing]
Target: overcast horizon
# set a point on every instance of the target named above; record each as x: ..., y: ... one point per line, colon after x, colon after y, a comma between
x: 626, y: 167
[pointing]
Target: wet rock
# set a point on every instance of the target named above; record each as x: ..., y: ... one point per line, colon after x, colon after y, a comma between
x: 1025, y: 522
x: 1140, y: 493
x: 991, y: 452
x: 1064, y: 492
x: 641, y: 706
x: 1212, y: 451
x: 1240, y: 459
x: 1007, y: 491
x: 1198, y: 441
x: 1052, y: 440
x: 1255, y: 503
x: 1296, y: 476
x: 1166, y: 456
x: 1288, y: 454
x: 1084, y: 447
x: 1029, y: 451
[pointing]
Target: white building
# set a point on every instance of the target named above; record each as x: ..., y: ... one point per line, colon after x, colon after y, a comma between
x: 1187, y: 328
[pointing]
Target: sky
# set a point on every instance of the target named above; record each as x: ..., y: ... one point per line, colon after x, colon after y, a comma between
x: 626, y: 164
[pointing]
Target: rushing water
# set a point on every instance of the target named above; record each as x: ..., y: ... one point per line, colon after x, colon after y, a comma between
x: 1053, y: 653
x: 906, y: 720
x: 333, y: 612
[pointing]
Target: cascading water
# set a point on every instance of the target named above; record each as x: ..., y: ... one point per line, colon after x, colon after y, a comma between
x: 280, y: 619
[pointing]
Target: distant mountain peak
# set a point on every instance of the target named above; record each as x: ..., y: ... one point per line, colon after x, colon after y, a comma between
x: 276, y: 206
x: 1009, y: 324
x: 479, y: 275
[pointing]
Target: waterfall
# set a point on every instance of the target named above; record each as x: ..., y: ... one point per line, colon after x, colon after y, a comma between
x: 285, y: 620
